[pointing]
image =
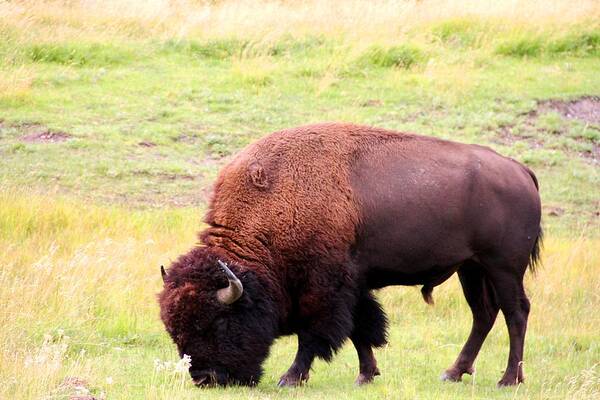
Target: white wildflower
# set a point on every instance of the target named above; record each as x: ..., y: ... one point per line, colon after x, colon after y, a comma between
x: 180, y: 367
x: 158, y: 365
x: 50, y: 354
x: 183, y: 365
x: 109, y: 380
x: 81, y: 390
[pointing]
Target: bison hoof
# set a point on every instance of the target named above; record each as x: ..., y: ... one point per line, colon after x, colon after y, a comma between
x: 292, y: 380
x: 504, y: 382
x: 453, y: 375
x: 366, y: 377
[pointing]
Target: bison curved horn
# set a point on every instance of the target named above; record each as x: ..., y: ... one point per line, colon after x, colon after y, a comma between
x: 235, y: 289
x: 162, y: 272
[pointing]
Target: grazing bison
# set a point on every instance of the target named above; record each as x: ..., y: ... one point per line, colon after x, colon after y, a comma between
x: 306, y: 222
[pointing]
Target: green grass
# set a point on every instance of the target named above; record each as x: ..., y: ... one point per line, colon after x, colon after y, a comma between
x: 151, y: 123
x: 582, y: 44
x: 79, y: 301
x: 403, y: 56
x: 149, y: 117
x: 94, y: 54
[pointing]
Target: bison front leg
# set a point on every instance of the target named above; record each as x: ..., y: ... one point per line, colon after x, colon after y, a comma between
x: 369, y: 331
x: 299, y: 372
x: 325, y: 320
x: 367, y: 363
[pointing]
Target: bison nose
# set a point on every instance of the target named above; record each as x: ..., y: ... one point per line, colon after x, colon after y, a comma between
x: 204, y: 378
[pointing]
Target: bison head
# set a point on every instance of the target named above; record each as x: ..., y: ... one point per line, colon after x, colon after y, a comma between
x: 223, y: 318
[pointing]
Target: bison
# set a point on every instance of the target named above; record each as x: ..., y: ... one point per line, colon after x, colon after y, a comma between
x: 305, y: 223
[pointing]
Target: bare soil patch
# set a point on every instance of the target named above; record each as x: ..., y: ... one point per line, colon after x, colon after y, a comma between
x: 191, y: 138
x: 46, y: 137
x: 586, y: 108
x: 372, y: 103
x: 164, y: 175
x: 527, y: 129
x: 554, y: 211
x: 36, y: 133
x: 146, y: 143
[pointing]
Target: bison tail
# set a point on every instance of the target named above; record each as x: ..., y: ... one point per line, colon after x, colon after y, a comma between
x: 535, y: 256
x: 426, y: 291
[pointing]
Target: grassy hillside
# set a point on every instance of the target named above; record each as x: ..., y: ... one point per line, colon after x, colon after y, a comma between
x: 115, y: 117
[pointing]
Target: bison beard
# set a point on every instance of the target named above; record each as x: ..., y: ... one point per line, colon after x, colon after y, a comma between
x: 310, y: 220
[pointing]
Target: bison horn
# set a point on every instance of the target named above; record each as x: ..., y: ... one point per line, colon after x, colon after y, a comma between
x: 235, y: 289
x: 162, y: 272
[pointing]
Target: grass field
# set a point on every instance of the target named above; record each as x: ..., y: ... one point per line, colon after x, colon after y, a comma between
x: 115, y: 117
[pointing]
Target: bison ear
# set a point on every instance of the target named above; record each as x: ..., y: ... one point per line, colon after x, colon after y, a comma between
x: 163, y: 273
x: 258, y: 175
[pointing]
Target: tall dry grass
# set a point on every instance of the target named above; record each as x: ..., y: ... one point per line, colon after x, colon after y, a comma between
x: 93, y: 271
x: 383, y: 20
x: 68, y: 266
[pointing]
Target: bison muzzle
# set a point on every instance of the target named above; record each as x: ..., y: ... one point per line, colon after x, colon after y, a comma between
x: 304, y: 224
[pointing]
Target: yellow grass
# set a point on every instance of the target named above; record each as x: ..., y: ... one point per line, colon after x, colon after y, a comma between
x: 384, y: 20
x: 94, y: 271
x: 16, y: 83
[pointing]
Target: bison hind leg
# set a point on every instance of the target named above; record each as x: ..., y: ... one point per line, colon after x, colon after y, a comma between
x: 481, y: 297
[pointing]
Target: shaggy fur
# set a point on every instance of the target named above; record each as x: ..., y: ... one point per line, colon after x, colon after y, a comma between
x: 313, y: 218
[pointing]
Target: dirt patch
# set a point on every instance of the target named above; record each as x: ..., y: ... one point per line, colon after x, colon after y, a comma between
x: 77, y: 387
x: 187, y: 138
x: 36, y: 133
x: 506, y: 136
x: 554, y: 211
x: 46, y: 137
x: 73, y: 381
x: 586, y: 108
x: 164, y: 175
x: 539, y: 129
x: 372, y: 103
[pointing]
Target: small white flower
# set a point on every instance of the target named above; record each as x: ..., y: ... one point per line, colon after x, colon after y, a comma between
x: 109, y: 380
x: 183, y: 365
x: 81, y: 391
x: 158, y: 365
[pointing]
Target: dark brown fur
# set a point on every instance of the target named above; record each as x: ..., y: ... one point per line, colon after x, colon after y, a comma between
x: 312, y: 219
